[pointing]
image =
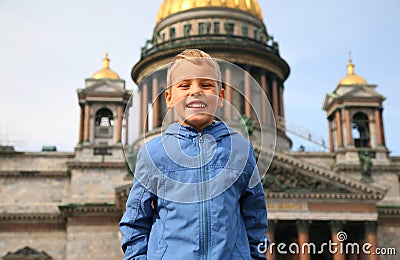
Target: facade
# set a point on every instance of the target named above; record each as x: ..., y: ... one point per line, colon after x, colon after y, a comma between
x: 57, y: 205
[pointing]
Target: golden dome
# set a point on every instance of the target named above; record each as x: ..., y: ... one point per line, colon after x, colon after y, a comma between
x: 351, y: 78
x: 105, y: 72
x: 170, y: 7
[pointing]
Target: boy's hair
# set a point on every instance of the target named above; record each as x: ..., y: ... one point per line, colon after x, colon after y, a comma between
x: 197, y: 57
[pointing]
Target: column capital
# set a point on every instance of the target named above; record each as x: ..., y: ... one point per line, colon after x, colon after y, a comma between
x: 371, y: 226
x: 338, y: 109
x: 272, y: 225
x: 336, y: 226
x: 303, y: 225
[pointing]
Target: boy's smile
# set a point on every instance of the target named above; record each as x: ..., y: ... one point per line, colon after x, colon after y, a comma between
x: 194, y: 93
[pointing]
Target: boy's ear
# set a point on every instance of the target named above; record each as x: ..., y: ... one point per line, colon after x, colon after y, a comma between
x: 168, y: 98
x: 221, y: 98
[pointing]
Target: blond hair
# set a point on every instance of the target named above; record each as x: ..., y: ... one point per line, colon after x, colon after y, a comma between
x: 197, y: 57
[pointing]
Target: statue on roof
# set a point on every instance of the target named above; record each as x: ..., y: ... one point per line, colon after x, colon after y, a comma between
x: 365, y: 165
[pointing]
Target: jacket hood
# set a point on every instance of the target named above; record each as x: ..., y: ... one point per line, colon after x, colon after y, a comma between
x: 217, y: 129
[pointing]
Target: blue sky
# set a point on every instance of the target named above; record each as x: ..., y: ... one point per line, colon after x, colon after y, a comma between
x: 48, y: 48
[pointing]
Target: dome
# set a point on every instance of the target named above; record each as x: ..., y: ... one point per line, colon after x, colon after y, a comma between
x: 351, y: 78
x: 105, y: 72
x: 170, y: 7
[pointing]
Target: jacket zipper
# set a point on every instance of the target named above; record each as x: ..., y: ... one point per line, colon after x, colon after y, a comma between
x: 204, y: 197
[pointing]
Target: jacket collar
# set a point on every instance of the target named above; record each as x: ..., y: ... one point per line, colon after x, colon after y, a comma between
x: 217, y: 129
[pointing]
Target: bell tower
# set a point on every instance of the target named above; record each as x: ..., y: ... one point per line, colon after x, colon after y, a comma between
x: 355, y: 123
x: 102, y: 103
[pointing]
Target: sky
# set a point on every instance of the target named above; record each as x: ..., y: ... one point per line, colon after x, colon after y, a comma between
x: 48, y: 48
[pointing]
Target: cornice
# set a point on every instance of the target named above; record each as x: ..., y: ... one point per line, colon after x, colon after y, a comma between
x: 236, y: 53
x: 93, y: 165
x: 389, y: 211
x: 29, y: 217
x: 325, y: 196
x: 35, y: 174
x: 375, y: 168
x: 88, y: 209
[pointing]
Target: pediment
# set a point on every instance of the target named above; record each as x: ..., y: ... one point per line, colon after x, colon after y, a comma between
x: 363, y: 92
x: 291, y: 175
x: 104, y: 86
x: 328, y: 100
x: 358, y: 91
x: 27, y: 253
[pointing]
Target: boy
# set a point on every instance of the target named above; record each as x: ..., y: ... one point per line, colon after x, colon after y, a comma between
x: 191, y: 197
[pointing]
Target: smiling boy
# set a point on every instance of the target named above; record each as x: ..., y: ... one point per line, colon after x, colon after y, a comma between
x: 195, y: 89
x: 191, y: 197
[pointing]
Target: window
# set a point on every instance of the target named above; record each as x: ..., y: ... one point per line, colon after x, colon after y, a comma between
x: 202, y: 28
x: 186, y: 29
x: 172, y: 33
x: 217, y: 28
x: 360, y: 126
x: 229, y: 27
x: 104, y: 123
x: 104, y: 117
x: 245, y: 30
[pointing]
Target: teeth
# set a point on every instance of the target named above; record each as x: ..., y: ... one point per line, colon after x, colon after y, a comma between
x: 197, y: 105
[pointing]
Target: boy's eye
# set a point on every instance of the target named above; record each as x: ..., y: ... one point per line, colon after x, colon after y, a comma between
x: 207, y: 84
x: 184, y: 85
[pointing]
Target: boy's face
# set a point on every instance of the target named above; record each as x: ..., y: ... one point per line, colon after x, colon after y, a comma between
x: 194, y: 94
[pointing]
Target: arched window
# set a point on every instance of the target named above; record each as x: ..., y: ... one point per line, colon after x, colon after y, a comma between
x: 104, y: 117
x: 104, y: 122
x: 360, y: 131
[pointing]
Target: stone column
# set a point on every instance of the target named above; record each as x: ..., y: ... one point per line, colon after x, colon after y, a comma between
x: 349, y: 137
x: 145, y: 108
x: 381, y: 124
x: 303, y: 238
x: 156, y: 104
x: 275, y: 100
x: 281, y: 105
x: 228, y: 95
x: 377, y: 115
x: 271, y: 235
x: 247, y: 94
x: 339, y: 131
x: 331, y: 147
x: 264, y: 106
x: 119, y: 123
x: 127, y: 125
x: 336, y: 227
x: 86, y: 132
x: 81, y: 122
x: 141, y: 108
x: 371, y: 238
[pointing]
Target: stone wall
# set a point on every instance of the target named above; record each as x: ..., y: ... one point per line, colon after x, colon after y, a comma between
x: 53, y: 243
x: 96, y: 185
x: 93, y: 242
x: 389, y: 237
x: 31, y: 194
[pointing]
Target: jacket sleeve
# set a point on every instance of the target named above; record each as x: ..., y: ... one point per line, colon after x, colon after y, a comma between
x: 254, y: 211
x: 137, y: 220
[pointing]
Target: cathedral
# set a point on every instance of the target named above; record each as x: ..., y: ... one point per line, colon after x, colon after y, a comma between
x: 342, y: 204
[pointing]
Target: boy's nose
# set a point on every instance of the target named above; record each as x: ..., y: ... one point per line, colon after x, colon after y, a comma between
x: 195, y: 89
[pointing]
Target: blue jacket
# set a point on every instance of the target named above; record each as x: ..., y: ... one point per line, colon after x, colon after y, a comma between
x: 195, y: 196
